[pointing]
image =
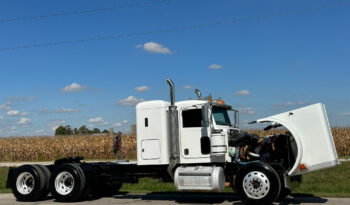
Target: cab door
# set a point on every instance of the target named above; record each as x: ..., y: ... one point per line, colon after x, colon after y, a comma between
x: 195, y: 142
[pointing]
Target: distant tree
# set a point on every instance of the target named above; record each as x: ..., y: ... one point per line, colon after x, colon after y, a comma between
x: 84, y: 130
x: 68, y: 130
x: 60, y: 131
x: 96, y: 131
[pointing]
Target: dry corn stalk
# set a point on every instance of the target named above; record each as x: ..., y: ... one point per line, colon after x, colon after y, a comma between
x: 100, y: 147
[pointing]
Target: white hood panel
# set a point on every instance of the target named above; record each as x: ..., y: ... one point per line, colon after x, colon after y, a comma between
x: 310, y: 128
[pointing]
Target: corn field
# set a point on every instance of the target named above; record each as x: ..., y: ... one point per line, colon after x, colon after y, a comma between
x: 100, y: 147
x: 51, y: 148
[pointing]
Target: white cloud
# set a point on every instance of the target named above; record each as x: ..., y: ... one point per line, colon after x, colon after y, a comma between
x: 247, y: 110
x: 344, y: 114
x: 98, y: 120
x: 1, y: 117
x: 142, y: 88
x: 215, y: 66
x: 59, y: 110
x: 74, y: 87
x: 289, y: 104
x: 187, y: 87
x: 13, y: 113
x: 17, y: 113
x: 66, y: 110
x: 242, y: 93
x: 54, y: 128
x: 24, y: 121
x: 39, y: 131
x: 153, y: 47
x: 45, y: 111
x: 303, y: 102
x: 18, y: 98
x: 53, y: 125
x: 57, y: 122
x: 138, y: 46
x: 130, y: 101
x: 12, y: 127
x: 5, y: 106
x: 118, y: 124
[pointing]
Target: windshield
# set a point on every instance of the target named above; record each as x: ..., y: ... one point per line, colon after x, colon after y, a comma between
x: 221, y: 116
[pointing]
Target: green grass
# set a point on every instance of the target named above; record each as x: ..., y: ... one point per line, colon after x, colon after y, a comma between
x: 333, y: 182
x: 3, y: 177
x: 149, y: 185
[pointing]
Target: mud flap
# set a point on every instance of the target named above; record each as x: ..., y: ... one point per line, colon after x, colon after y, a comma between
x: 10, y: 177
x: 310, y: 128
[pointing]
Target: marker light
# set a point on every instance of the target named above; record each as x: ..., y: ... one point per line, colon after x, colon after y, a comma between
x: 302, y: 167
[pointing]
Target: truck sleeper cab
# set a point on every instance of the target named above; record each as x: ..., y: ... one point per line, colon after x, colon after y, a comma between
x: 197, y: 145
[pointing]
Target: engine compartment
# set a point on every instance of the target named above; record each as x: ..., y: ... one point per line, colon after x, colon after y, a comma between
x: 277, y: 148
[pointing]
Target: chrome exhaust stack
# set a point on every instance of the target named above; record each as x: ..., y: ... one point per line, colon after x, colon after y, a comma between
x: 173, y: 122
x: 172, y: 91
x: 173, y: 130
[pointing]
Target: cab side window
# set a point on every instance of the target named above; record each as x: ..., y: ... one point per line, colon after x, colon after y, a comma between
x: 192, y: 118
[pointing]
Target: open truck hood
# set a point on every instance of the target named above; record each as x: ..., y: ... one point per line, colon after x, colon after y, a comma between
x: 310, y: 128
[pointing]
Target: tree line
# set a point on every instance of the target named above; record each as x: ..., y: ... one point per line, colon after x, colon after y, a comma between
x: 68, y: 130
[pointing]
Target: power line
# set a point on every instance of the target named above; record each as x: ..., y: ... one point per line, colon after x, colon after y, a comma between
x: 68, y: 13
x: 181, y: 28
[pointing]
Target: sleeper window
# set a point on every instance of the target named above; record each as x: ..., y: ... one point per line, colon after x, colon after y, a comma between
x: 146, y: 122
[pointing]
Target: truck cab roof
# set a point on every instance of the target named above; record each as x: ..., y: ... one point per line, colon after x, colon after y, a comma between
x: 162, y: 104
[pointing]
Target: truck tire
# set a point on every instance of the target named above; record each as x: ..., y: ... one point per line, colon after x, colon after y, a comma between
x: 257, y: 183
x: 47, y: 174
x: 67, y: 183
x: 28, y: 183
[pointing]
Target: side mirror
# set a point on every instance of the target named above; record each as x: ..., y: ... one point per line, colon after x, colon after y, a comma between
x: 205, y: 121
x: 236, y: 117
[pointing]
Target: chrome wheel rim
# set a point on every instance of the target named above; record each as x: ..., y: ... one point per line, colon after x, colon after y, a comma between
x: 64, y: 183
x: 25, y: 183
x: 256, y: 185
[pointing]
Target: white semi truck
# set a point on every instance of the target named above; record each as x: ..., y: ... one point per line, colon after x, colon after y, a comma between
x: 197, y: 145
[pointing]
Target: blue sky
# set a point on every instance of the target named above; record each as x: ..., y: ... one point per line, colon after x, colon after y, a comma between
x: 260, y: 65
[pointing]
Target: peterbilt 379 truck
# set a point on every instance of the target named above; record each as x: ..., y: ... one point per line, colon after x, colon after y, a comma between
x: 197, y: 145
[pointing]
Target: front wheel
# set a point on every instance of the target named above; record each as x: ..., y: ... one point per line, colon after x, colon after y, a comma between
x: 257, y: 183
